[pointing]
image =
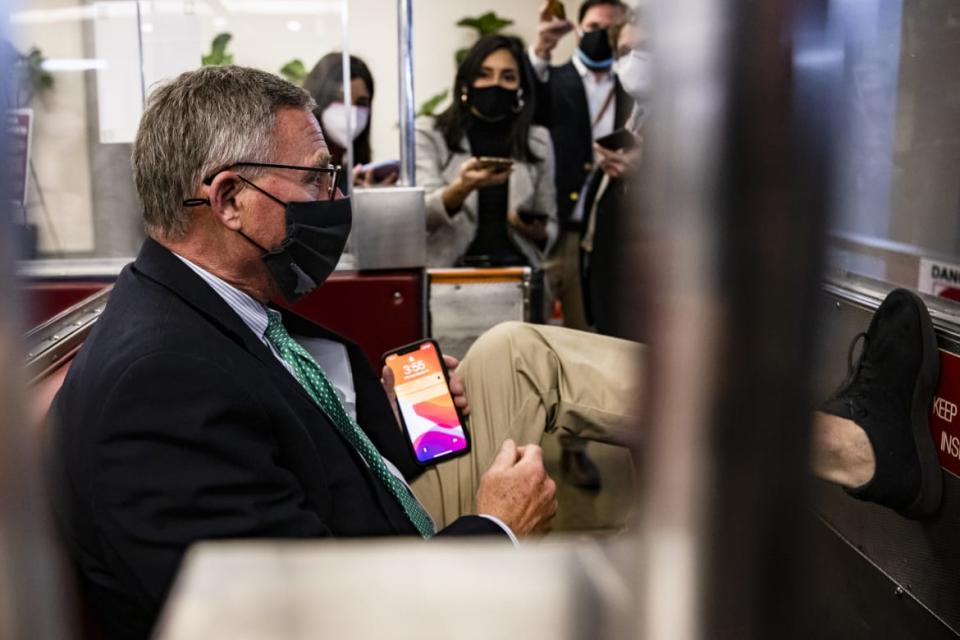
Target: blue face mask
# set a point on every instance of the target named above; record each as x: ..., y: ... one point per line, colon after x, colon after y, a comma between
x: 595, y: 50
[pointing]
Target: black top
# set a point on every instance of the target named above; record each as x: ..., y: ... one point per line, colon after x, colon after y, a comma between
x: 491, y: 245
x: 176, y: 424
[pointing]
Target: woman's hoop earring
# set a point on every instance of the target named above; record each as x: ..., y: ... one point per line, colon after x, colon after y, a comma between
x: 463, y: 96
x: 520, y: 103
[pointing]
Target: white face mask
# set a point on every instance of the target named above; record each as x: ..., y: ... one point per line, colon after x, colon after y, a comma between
x: 334, y: 121
x: 635, y: 71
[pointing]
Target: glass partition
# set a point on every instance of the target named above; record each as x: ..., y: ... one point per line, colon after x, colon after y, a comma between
x: 84, y: 71
x: 898, y: 184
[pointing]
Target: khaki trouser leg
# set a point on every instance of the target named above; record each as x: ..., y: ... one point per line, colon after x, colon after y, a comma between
x: 523, y: 380
x: 563, y: 274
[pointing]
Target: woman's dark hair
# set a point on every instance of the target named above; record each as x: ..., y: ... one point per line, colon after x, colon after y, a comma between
x: 325, y: 84
x: 453, y: 122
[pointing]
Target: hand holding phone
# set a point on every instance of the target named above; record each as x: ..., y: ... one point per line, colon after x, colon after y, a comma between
x: 497, y: 165
x: 619, y: 140
x: 429, y: 404
x: 529, y: 217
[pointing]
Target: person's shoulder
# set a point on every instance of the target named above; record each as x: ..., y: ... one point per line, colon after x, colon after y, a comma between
x: 426, y: 124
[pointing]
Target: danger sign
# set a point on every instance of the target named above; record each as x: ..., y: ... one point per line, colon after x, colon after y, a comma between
x: 940, y: 279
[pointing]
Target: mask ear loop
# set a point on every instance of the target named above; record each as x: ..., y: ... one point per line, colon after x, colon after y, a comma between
x: 272, y: 197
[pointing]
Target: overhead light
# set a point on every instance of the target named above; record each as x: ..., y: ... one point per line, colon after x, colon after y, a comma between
x: 282, y: 7
x: 73, y: 64
x: 42, y: 16
x: 294, y: 25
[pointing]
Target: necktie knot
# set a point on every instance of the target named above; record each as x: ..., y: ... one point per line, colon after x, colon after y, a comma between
x: 275, y: 331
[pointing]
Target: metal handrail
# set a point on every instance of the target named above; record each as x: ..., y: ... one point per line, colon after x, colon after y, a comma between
x: 51, y: 343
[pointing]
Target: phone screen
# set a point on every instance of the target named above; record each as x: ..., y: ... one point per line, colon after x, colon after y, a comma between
x: 432, y: 422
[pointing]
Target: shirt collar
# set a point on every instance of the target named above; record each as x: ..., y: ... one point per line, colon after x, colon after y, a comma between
x: 251, y: 311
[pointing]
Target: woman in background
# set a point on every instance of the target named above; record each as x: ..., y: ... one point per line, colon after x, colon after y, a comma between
x: 325, y: 84
x: 482, y: 212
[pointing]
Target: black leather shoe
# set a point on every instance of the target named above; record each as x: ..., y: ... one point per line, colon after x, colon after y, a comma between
x: 889, y: 393
x: 579, y: 470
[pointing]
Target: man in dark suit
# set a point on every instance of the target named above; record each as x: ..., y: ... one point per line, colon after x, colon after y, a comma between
x: 195, y: 410
x: 578, y: 102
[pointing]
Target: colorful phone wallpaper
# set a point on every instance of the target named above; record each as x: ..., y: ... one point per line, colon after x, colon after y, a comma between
x: 426, y: 404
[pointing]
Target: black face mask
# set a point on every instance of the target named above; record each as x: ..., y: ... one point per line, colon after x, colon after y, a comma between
x: 316, y: 234
x: 494, y: 104
x: 595, y: 50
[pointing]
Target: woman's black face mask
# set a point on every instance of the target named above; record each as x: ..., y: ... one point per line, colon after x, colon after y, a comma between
x: 317, y: 232
x: 494, y: 103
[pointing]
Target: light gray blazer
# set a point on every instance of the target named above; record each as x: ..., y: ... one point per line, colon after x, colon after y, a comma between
x: 531, y: 188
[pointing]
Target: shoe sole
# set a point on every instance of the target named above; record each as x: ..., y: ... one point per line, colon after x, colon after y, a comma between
x: 931, y: 479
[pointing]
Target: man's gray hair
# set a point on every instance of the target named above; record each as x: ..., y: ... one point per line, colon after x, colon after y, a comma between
x: 203, y: 121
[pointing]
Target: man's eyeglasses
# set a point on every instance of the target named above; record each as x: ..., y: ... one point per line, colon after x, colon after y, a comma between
x: 327, y: 178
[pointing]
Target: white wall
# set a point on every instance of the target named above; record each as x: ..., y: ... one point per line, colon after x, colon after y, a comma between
x: 59, y: 138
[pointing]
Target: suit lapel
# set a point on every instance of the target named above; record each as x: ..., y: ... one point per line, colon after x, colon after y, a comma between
x: 160, y: 265
x: 569, y: 92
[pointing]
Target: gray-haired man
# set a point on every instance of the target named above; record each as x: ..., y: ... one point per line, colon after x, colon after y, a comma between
x: 197, y: 411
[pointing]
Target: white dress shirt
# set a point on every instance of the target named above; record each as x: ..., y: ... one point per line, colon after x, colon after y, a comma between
x: 330, y: 355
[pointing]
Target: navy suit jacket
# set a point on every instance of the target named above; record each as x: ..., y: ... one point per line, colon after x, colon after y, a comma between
x: 177, y: 424
x: 561, y: 107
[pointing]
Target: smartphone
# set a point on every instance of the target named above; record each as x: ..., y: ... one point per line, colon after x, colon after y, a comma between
x: 619, y: 140
x: 499, y: 165
x: 431, y: 421
x: 382, y: 169
x: 529, y: 217
x: 556, y: 9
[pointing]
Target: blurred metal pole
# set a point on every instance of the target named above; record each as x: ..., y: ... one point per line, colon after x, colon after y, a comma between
x: 738, y: 164
x: 31, y: 600
x: 408, y: 155
x: 346, y: 83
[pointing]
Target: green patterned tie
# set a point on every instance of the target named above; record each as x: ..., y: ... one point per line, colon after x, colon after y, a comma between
x: 311, y: 377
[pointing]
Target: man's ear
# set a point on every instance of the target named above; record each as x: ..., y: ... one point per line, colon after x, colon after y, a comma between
x: 223, y: 193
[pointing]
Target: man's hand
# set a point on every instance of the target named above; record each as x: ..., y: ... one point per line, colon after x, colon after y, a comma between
x: 457, y: 389
x: 517, y: 490
x: 550, y: 29
x: 616, y: 164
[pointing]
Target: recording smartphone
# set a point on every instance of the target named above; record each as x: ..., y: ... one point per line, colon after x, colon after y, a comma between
x: 556, y: 9
x: 498, y: 165
x: 431, y: 421
x: 619, y: 140
x: 382, y: 169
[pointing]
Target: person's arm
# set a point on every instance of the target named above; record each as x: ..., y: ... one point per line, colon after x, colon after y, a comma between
x: 550, y: 29
x: 432, y: 152
x: 185, y: 453
x: 546, y: 186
